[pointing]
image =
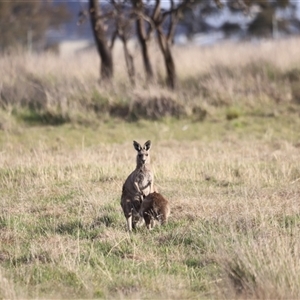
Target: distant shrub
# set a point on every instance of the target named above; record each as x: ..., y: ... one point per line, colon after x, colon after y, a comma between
x: 156, y: 107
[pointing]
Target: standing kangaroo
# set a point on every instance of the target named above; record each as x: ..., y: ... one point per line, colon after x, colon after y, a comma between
x: 138, y: 185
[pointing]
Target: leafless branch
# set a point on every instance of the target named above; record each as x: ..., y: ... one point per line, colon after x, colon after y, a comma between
x: 157, y: 10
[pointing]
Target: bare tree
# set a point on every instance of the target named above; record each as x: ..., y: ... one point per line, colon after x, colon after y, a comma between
x: 112, y: 23
x: 123, y: 30
x: 143, y: 36
x: 165, y: 38
x: 165, y: 22
x: 99, y: 32
x: 148, y: 19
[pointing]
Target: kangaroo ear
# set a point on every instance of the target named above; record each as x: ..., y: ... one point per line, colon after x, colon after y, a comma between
x: 147, y: 145
x: 137, y: 146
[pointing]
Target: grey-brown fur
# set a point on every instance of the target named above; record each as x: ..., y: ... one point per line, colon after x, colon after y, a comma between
x: 155, y: 208
x: 138, y: 185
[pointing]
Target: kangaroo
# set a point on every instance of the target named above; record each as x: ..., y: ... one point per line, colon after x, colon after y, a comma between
x: 155, y: 208
x: 137, y: 186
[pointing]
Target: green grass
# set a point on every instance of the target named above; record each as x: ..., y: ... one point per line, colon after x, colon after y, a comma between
x: 116, y: 131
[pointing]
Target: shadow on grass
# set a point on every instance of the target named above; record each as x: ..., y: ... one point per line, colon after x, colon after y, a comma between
x: 33, y: 117
x: 76, y: 229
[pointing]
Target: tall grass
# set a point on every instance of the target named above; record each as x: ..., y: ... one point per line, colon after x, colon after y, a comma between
x: 232, y: 178
x: 55, y: 90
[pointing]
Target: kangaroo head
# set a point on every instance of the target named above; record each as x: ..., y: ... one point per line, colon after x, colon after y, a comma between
x: 143, y: 153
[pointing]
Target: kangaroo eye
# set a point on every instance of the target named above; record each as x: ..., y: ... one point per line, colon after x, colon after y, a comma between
x: 146, y: 154
x: 140, y: 155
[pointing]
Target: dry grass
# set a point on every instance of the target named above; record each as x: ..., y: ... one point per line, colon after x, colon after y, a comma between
x: 233, y: 229
x: 55, y: 90
x: 232, y: 181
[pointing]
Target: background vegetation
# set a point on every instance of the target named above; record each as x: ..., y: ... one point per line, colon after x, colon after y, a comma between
x: 225, y: 153
x: 24, y: 24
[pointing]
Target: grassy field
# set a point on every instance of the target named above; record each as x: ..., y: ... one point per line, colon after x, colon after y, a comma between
x: 229, y: 163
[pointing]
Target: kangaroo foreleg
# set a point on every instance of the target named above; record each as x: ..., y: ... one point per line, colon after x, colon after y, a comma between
x: 141, y: 194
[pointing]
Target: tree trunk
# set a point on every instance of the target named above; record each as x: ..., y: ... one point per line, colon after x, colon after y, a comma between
x: 129, y: 62
x: 145, y: 53
x: 168, y: 58
x: 99, y: 32
x: 143, y: 40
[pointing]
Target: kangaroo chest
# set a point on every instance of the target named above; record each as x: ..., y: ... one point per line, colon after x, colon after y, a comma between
x: 144, y: 179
